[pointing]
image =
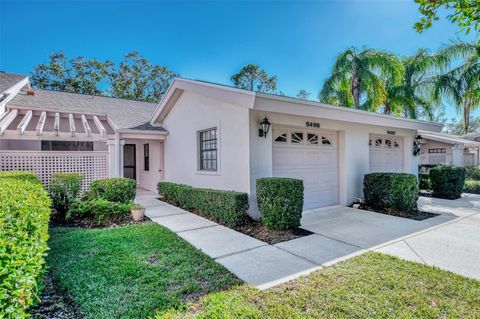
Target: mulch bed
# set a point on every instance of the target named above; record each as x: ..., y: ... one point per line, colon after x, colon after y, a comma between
x: 415, y: 215
x: 54, y: 303
x: 255, y: 229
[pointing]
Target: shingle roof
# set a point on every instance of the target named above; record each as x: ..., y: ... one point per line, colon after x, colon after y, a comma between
x: 7, y: 80
x: 472, y: 136
x: 126, y: 114
x: 448, y: 138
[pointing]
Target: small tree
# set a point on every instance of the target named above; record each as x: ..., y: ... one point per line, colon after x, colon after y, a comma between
x: 252, y: 77
x: 302, y: 94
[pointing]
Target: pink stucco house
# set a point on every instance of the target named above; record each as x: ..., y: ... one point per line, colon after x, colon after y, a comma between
x: 205, y: 135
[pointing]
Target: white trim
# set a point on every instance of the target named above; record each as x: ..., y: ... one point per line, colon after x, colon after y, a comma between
x: 71, y: 122
x: 41, y: 123
x: 86, y: 126
x: 56, y: 124
x: 23, y: 124
x: 99, y: 126
x: 13, y: 91
x: 7, y: 120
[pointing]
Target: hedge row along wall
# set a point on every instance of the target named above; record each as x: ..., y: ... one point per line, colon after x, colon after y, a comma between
x: 24, y: 217
x: 226, y: 207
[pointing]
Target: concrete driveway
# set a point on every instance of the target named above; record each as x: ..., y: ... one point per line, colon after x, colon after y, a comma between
x: 454, y: 245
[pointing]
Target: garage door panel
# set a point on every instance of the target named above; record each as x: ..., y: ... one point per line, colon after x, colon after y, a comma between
x: 315, y: 164
x: 386, y: 154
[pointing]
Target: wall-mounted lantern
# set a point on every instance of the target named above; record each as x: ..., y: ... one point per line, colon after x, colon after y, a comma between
x: 417, y: 145
x: 264, y: 127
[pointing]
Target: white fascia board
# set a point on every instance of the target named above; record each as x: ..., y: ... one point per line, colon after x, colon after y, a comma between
x: 449, y: 140
x: 279, y: 104
x: 227, y: 94
x: 13, y: 91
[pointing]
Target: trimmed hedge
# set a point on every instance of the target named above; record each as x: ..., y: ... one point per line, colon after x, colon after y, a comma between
x: 424, y: 181
x: 280, y: 201
x: 472, y: 187
x: 472, y: 172
x: 120, y: 190
x: 447, y: 181
x: 99, y: 210
x: 20, y: 175
x: 227, y: 207
x: 64, y: 189
x: 24, y: 217
x: 391, y: 191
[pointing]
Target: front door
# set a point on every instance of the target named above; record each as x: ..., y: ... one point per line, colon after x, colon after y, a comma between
x: 129, y: 163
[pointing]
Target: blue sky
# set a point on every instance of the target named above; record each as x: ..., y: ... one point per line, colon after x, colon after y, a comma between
x: 296, y: 40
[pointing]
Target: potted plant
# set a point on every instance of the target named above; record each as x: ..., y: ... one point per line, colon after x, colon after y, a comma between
x: 138, y: 211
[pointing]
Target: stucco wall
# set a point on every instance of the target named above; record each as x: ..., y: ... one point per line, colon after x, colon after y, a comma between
x: 148, y: 179
x: 193, y: 113
x: 353, y: 151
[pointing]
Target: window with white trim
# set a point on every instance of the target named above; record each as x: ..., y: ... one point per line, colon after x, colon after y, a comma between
x: 208, y: 150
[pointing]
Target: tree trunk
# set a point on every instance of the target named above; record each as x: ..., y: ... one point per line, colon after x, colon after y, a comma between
x: 356, y: 90
x: 466, y: 115
x: 387, y: 109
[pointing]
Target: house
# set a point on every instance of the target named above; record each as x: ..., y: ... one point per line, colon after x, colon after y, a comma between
x: 208, y: 135
x: 475, y: 136
x: 441, y: 148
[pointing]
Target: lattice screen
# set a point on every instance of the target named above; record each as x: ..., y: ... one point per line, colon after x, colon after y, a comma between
x: 92, y: 165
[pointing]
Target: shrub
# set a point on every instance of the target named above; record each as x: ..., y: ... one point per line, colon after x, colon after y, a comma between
x: 98, y: 210
x: 472, y: 172
x: 64, y: 188
x: 424, y: 181
x: 391, y: 191
x: 20, y: 175
x: 120, y: 190
x: 280, y: 201
x: 24, y: 217
x: 472, y: 187
x: 447, y: 181
x: 227, y: 207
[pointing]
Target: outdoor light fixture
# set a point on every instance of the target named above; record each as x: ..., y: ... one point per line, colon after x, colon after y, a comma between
x: 417, y: 145
x: 264, y: 127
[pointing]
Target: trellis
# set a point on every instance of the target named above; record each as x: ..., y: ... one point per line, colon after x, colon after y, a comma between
x: 92, y: 165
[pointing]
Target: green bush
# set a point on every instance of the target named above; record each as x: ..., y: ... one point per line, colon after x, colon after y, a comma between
x: 472, y: 172
x: 227, y: 207
x: 472, y: 187
x: 424, y: 181
x: 391, y: 191
x: 64, y: 188
x: 98, y: 210
x: 120, y: 190
x: 24, y: 217
x: 21, y: 175
x: 280, y: 201
x: 447, y: 181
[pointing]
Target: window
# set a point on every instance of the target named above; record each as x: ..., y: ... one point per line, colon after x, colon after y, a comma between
x: 436, y: 150
x: 312, y: 138
x: 282, y: 138
x: 378, y: 142
x: 208, y: 150
x: 297, y: 138
x: 67, y: 146
x: 146, y: 157
x: 326, y: 141
x: 396, y: 145
x: 388, y: 143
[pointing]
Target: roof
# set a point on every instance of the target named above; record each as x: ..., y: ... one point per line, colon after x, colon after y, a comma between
x: 282, y: 104
x: 7, y: 80
x: 475, y: 136
x: 126, y: 114
x: 448, y: 138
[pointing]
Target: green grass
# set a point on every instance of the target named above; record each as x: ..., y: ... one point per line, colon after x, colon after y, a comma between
x: 369, y: 286
x: 132, y: 271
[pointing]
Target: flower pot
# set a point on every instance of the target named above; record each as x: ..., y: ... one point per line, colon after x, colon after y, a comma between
x: 138, y: 213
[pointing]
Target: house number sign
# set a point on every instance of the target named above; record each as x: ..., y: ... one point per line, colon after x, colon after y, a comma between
x: 312, y: 124
x: 391, y: 132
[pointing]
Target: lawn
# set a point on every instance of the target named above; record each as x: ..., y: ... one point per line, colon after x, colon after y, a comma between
x: 131, y: 271
x: 369, y: 286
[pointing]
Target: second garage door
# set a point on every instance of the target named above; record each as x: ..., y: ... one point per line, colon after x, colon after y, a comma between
x: 311, y: 156
x: 386, y: 154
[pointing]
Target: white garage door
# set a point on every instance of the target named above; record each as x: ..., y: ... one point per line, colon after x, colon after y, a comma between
x: 311, y: 156
x: 386, y: 153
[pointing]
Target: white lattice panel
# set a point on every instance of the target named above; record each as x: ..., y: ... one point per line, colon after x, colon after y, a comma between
x: 92, y: 165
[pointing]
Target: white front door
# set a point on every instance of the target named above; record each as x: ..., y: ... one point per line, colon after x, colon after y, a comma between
x: 386, y: 153
x: 312, y: 156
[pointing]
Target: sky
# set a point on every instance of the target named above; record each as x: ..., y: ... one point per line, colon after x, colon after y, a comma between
x: 295, y: 40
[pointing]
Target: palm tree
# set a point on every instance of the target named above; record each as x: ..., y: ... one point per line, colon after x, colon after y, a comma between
x: 412, y: 97
x: 363, y: 71
x: 461, y: 84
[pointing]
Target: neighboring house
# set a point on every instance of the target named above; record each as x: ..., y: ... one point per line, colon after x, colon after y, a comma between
x: 207, y: 135
x: 475, y: 136
x: 441, y: 148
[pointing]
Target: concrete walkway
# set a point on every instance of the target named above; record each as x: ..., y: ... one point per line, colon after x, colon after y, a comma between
x: 339, y: 234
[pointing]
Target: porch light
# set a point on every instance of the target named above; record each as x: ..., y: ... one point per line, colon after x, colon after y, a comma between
x: 264, y: 127
x: 417, y: 145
